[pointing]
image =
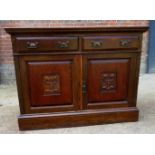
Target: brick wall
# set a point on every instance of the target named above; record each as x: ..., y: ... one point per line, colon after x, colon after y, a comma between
x: 6, y: 60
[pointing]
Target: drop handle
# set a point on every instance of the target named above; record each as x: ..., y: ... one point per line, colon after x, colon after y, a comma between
x: 125, y: 43
x: 96, y: 44
x: 63, y: 44
x: 32, y: 44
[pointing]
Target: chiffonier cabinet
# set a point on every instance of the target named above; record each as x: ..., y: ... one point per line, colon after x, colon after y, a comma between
x: 76, y: 76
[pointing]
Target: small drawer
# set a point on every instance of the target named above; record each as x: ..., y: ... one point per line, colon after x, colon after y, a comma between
x: 29, y: 44
x: 110, y: 42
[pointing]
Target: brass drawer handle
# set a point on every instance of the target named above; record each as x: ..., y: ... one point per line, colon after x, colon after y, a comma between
x: 63, y: 44
x: 96, y: 44
x: 32, y: 44
x: 125, y: 43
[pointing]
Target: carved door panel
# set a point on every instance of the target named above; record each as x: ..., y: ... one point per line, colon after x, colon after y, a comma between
x: 52, y: 82
x: 106, y: 80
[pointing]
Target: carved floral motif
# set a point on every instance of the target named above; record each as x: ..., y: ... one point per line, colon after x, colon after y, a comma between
x: 108, y: 81
x: 51, y: 84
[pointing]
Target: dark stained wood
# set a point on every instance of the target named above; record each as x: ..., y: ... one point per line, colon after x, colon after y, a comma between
x: 107, y: 79
x: 76, y: 76
x: 32, y: 44
x: 123, y: 65
x: 75, y: 30
x: 36, y: 67
x: 52, y: 86
x: 72, y: 119
x: 109, y: 42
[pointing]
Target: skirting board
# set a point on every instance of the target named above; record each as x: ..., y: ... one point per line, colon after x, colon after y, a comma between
x: 71, y: 119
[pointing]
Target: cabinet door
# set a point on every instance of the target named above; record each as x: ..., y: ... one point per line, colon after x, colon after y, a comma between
x: 109, y: 80
x: 49, y: 83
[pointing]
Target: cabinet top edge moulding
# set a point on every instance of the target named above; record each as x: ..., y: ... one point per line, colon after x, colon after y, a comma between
x: 75, y: 30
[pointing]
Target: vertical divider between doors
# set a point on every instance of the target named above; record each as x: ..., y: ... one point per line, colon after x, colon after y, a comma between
x: 80, y: 75
x: 83, y: 76
x: 79, y: 81
x: 84, y: 81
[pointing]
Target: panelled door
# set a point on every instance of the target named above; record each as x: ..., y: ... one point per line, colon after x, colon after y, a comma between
x: 52, y: 82
x: 107, y: 78
x: 73, y: 82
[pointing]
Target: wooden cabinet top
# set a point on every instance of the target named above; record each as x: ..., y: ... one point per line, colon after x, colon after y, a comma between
x: 75, y: 30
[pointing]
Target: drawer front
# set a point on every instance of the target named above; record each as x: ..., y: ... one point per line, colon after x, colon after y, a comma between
x: 110, y: 42
x: 30, y: 44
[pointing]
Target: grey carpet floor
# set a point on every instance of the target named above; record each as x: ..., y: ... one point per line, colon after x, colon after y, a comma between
x: 146, y: 103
